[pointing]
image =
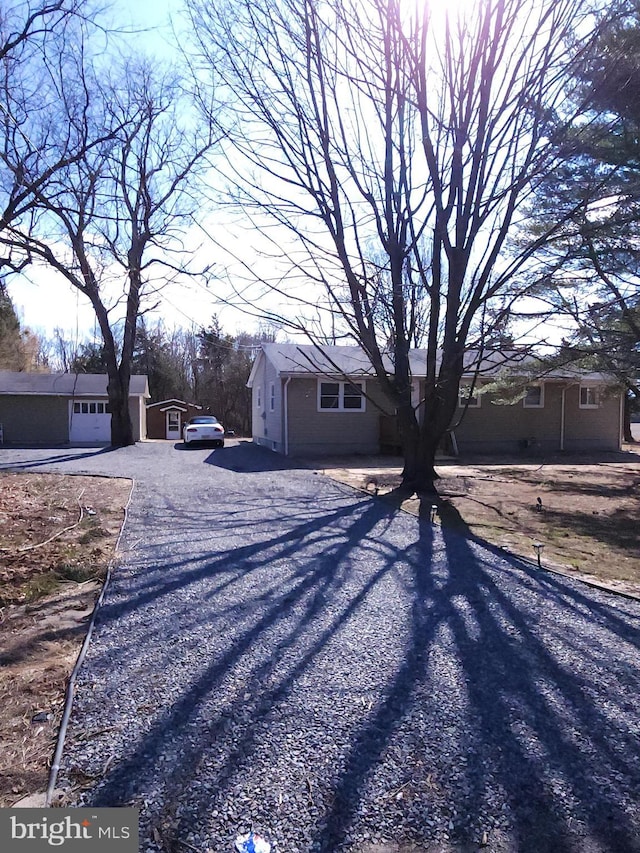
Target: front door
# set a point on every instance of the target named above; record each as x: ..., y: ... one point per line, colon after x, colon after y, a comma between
x: 173, y: 425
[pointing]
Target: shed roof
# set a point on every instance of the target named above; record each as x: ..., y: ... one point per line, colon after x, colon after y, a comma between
x: 66, y: 384
x: 173, y: 403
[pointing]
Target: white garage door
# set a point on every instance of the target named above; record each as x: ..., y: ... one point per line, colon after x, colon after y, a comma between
x: 90, y: 421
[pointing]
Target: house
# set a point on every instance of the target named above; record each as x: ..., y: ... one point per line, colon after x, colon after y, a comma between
x: 64, y: 408
x: 311, y: 401
x: 166, y: 418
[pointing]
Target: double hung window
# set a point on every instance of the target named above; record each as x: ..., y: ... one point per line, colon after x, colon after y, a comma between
x: 534, y: 397
x: 588, y: 397
x: 341, y: 396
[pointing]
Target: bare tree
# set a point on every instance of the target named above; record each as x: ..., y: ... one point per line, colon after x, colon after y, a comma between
x: 37, y: 70
x: 21, y: 24
x: 110, y: 216
x: 396, y: 145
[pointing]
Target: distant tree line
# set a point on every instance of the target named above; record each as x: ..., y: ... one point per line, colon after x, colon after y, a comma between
x: 20, y: 349
x: 208, y: 367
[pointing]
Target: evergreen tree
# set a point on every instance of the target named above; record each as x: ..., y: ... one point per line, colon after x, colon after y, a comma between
x: 10, y: 337
x: 20, y: 349
x: 166, y: 360
x: 590, y: 270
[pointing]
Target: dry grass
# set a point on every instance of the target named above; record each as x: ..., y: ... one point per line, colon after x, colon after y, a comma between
x: 57, y: 535
x: 587, y: 518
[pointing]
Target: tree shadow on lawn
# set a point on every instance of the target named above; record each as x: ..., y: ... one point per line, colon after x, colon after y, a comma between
x: 490, y: 693
x: 614, y: 491
x: 620, y: 530
x: 566, y: 458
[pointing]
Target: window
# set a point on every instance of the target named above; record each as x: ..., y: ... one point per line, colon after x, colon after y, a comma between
x: 329, y: 395
x: 534, y: 397
x: 468, y: 399
x: 272, y: 397
x: 341, y: 396
x: 588, y: 397
x: 93, y: 407
x: 352, y: 396
x: 258, y: 397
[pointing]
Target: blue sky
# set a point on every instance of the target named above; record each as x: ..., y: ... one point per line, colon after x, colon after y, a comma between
x: 43, y: 299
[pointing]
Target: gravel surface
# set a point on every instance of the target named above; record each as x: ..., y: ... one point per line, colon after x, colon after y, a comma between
x: 278, y: 651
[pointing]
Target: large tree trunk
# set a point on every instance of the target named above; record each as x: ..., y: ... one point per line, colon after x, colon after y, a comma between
x: 121, y: 423
x: 421, y: 435
x: 120, y: 378
x: 118, y: 391
x: 119, y: 375
x: 419, y: 473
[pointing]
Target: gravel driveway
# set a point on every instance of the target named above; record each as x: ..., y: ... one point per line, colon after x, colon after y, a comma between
x: 279, y: 651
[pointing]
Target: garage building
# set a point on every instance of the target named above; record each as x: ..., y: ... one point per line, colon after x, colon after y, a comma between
x: 64, y: 408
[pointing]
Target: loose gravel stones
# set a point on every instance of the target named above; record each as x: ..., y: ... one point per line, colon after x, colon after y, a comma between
x: 278, y: 652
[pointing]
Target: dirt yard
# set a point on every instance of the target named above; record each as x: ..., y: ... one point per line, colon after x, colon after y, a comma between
x: 57, y: 536
x: 586, y: 514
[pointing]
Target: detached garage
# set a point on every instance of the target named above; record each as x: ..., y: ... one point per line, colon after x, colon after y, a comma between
x: 64, y: 408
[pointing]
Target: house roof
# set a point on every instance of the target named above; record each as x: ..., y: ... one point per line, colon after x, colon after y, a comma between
x: 306, y: 359
x: 297, y: 360
x: 65, y: 384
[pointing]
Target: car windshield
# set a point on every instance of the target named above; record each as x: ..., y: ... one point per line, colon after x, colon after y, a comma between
x: 204, y: 420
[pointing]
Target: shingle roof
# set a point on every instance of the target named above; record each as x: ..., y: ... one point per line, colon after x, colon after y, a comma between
x: 296, y: 359
x: 65, y: 384
x: 309, y: 360
x: 304, y: 359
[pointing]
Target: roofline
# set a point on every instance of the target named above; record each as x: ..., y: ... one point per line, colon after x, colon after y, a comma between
x: 576, y: 378
x: 70, y: 395
x: 173, y: 400
x: 254, y: 368
x: 490, y: 372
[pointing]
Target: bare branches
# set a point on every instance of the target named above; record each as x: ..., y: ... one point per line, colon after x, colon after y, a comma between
x: 97, y: 174
x: 18, y: 27
x: 410, y: 136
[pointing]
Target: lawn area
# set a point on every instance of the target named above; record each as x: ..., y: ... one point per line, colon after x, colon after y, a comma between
x: 57, y: 536
x: 584, y: 511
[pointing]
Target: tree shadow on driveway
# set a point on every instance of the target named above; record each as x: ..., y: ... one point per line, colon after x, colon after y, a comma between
x: 341, y: 655
x: 61, y: 454
x: 246, y: 457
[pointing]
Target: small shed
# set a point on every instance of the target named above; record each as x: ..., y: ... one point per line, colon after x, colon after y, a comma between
x: 166, y: 418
